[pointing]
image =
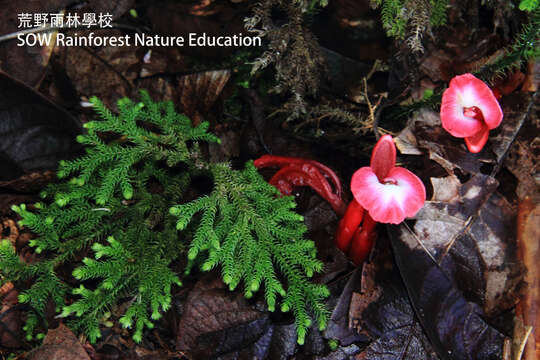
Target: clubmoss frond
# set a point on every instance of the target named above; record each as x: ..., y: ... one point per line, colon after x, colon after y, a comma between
x: 122, y: 205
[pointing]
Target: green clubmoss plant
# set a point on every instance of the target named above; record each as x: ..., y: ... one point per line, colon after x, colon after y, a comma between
x: 126, y: 214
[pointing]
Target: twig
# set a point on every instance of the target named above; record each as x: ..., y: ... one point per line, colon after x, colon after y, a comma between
x: 35, y: 30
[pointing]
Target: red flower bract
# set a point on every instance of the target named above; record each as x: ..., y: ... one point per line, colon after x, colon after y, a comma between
x: 388, y: 193
x: 303, y: 172
x: 469, y: 110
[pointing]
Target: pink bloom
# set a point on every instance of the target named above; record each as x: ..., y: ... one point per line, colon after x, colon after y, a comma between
x: 388, y: 193
x: 469, y: 110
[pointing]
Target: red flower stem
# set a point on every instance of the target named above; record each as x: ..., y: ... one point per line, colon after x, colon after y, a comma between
x: 348, y: 225
x: 363, y: 241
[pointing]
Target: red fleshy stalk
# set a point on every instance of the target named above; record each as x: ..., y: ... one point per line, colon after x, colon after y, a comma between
x: 348, y: 225
x: 356, y: 233
x: 363, y: 241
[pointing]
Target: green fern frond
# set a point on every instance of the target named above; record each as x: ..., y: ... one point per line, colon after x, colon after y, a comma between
x: 256, y: 233
x: 528, y: 5
x: 123, y: 200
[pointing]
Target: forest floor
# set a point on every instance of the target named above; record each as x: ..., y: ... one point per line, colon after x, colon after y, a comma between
x: 450, y: 283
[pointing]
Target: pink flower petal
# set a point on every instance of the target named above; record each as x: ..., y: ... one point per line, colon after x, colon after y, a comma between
x: 468, y: 91
x: 388, y: 203
x: 383, y: 156
x: 476, y: 142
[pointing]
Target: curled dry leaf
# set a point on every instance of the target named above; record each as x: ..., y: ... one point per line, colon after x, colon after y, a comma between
x: 532, y: 78
x: 523, y: 163
x: 425, y: 134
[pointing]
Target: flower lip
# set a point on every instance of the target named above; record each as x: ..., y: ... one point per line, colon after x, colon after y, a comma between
x: 476, y: 142
x: 390, y: 198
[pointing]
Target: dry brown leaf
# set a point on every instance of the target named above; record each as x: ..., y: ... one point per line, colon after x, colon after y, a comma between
x: 117, y: 67
x: 10, y: 318
x: 528, y: 309
x: 532, y: 78
x: 215, y: 320
x: 32, y: 182
x: 59, y: 344
x: 474, y: 234
x: 446, y: 189
x: 28, y: 64
x: 198, y: 92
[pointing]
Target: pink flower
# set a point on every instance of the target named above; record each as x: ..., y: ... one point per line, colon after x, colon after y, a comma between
x: 469, y: 110
x: 388, y: 193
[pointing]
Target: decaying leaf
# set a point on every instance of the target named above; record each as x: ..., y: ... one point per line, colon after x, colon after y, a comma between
x: 117, y: 66
x: 217, y: 321
x: 446, y: 189
x: 199, y: 91
x: 383, y: 312
x: 339, y: 327
x: 517, y: 108
x: 27, y: 64
x: 532, y: 78
x: 29, y: 182
x: 35, y: 133
x: 456, y: 328
x: 473, y: 241
x: 59, y: 344
x: 528, y: 309
x: 11, y: 321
